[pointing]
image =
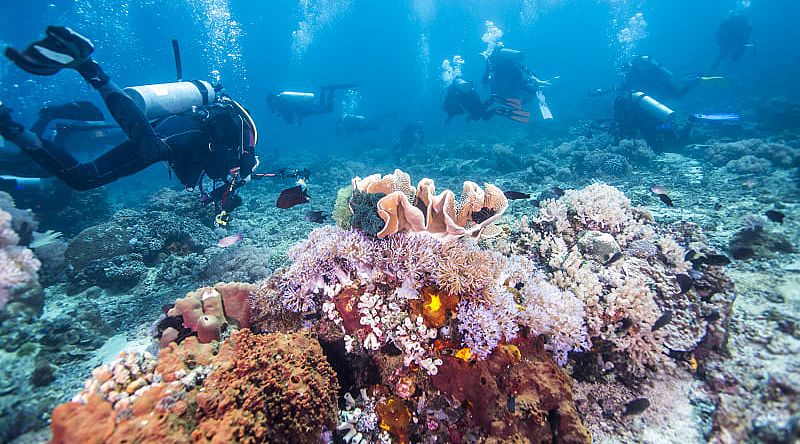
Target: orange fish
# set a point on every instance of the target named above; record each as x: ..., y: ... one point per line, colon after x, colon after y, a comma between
x: 227, y: 241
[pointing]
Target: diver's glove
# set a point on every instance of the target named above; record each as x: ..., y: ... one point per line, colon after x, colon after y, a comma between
x: 9, y: 129
x: 61, y: 48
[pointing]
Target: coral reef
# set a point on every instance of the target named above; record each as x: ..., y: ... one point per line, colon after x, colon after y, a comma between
x: 18, y: 265
x: 517, y: 394
x: 118, y: 253
x: 253, y: 388
x: 595, y: 244
x: 208, y: 311
x: 755, y: 151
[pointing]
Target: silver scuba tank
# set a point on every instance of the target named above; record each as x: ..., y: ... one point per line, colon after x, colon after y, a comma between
x: 652, y: 107
x: 299, y: 98
x: 165, y: 99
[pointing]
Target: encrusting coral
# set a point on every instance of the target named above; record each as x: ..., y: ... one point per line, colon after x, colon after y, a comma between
x: 253, y: 388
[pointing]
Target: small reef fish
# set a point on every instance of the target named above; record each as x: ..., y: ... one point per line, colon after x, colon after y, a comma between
x: 684, y: 281
x: 317, y: 217
x: 227, y: 241
x: 614, y: 257
x: 290, y: 197
x: 662, y: 321
x: 713, y: 316
x: 550, y: 193
x: 515, y: 195
x: 697, y: 259
x: 775, y: 216
x: 484, y: 213
x: 636, y: 406
x: 661, y: 192
x: 719, y: 260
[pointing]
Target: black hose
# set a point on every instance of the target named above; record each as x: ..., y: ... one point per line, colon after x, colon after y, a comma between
x: 176, y: 51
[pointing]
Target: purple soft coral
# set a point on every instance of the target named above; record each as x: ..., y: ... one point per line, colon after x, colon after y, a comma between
x: 483, y: 326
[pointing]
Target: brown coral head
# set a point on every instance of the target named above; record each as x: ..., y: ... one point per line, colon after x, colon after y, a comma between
x: 394, y: 417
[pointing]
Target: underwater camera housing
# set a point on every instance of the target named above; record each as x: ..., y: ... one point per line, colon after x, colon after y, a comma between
x: 652, y: 107
x: 164, y: 99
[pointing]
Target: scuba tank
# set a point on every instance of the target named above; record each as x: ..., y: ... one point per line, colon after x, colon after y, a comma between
x: 164, y: 99
x: 652, y: 107
x: 297, y: 97
x: 509, y: 55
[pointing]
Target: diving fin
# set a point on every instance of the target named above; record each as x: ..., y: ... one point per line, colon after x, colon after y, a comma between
x: 711, y: 78
x: 715, y: 118
x: 543, y: 108
x: 517, y: 115
x: 507, y: 102
x: 61, y: 48
x: 73, y: 111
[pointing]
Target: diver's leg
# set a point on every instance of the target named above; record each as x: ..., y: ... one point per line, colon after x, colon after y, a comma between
x: 326, y: 98
x: 685, y: 89
x: 122, y: 160
x: 125, y: 112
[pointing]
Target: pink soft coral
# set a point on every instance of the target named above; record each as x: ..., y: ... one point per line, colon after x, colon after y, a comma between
x: 18, y: 266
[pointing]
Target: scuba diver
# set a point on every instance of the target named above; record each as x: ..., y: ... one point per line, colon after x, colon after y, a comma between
x: 643, y: 73
x: 512, y: 83
x: 348, y: 124
x: 733, y: 37
x: 198, y: 130
x: 462, y: 98
x: 294, y: 106
x: 637, y: 113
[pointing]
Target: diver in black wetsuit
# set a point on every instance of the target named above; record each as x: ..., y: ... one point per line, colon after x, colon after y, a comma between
x: 461, y: 98
x: 733, y: 37
x: 294, y: 106
x: 348, y: 124
x: 645, y: 74
x: 216, y: 140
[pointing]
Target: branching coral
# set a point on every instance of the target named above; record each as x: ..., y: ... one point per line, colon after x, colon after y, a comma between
x: 556, y: 314
x: 594, y: 244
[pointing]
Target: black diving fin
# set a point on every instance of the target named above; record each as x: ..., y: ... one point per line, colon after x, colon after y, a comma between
x: 61, y: 48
